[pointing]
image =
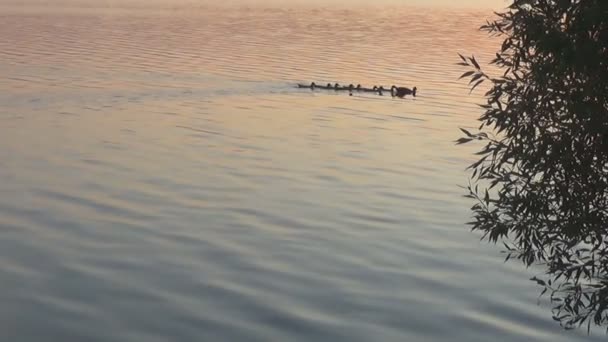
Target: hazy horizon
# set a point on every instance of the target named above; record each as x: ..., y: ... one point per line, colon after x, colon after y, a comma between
x: 179, y: 3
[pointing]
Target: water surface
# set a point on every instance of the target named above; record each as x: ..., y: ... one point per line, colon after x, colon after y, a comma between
x: 163, y: 179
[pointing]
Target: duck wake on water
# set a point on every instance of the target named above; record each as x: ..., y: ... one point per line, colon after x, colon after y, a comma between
x: 394, y: 90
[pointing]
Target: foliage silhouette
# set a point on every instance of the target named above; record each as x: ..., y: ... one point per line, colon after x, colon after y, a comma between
x: 541, y: 183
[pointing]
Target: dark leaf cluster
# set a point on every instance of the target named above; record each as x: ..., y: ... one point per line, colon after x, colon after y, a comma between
x: 541, y: 182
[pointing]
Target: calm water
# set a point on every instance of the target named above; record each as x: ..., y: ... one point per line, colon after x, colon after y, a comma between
x: 163, y: 180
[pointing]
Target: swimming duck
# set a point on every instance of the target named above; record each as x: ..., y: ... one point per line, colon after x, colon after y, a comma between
x: 402, y: 91
x: 338, y: 87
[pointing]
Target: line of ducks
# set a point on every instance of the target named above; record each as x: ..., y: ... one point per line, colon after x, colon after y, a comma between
x: 395, y: 91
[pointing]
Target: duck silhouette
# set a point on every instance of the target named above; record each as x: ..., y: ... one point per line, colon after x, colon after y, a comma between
x: 402, y: 91
x: 394, y: 90
x: 369, y: 90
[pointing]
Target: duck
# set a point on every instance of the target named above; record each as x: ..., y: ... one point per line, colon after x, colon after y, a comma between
x: 402, y: 91
x: 328, y: 86
x: 338, y: 87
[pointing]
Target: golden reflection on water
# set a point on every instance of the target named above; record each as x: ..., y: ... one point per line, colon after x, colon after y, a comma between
x: 244, y: 53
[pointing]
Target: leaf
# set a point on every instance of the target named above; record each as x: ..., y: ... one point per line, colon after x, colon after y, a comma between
x: 468, y: 73
x: 538, y: 281
x: 463, y: 141
x: 475, y: 62
x: 476, y: 84
x: 466, y: 132
x: 463, y: 59
x: 475, y: 78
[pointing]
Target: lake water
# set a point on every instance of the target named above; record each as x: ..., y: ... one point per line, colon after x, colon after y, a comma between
x: 163, y: 180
